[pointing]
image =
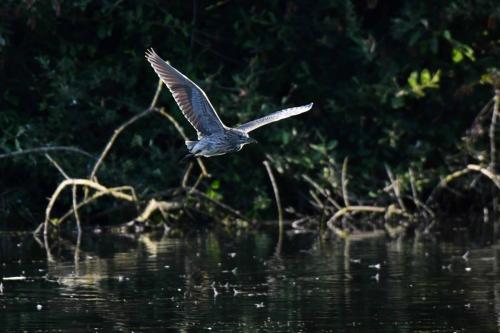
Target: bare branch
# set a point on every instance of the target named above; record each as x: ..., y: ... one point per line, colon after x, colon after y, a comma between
x: 395, y: 187
x: 219, y: 204
x: 344, y: 180
x: 276, y: 192
x: 156, y: 95
x: 492, y: 131
x: 486, y: 172
x: 80, y: 182
x: 57, y: 166
x: 322, y: 191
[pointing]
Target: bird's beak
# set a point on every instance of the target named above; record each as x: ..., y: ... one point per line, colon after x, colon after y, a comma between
x: 252, y: 140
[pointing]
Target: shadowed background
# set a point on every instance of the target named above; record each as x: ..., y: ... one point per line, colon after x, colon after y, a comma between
x: 393, y: 82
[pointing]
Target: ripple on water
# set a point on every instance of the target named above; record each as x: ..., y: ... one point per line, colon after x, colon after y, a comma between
x: 217, y: 283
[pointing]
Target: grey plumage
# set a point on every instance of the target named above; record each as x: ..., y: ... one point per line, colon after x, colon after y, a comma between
x: 214, y: 138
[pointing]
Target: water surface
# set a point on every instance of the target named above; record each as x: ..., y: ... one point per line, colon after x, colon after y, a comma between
x: 236, y: 282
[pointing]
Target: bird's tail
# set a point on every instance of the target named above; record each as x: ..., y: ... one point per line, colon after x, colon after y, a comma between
x: 190, y: 145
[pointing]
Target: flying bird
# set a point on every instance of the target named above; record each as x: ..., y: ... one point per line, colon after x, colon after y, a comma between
x: 214, y: 138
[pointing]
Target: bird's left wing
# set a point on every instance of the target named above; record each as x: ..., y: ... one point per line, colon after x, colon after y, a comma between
x: 276, y: 116
x: 191, y: 99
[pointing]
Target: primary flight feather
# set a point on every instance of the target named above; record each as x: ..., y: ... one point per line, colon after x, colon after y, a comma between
x: 214, y: 138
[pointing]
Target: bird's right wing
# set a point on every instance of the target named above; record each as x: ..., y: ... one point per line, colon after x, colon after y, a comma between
x: 276, y: 116
x: 192, y: 101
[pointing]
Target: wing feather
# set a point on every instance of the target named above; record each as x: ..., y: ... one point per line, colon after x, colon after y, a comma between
x: 190, y: 98
x: 276, y: 116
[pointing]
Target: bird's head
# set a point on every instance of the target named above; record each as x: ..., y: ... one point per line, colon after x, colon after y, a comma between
x: 244, y: 138
x: 251, y: 140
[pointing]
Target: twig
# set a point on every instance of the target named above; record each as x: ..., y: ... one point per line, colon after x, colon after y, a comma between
x: 444, y: 181
x: 180, y: 130
x: 322, y: 191
x: 414, y: 196
x: 344, y: 180
x: 75, y: 211
x: 45, y: 150
x: 486, y: 172
x: 221, y: 205
x: 57, y: 166
x: 120, y: 129
x: 484, y: 111
x: 276, y: 193
x: 493, y: 127
x: 113, y: 138
x: 349, y: 209
x: 156, y: 95
x: 174, y: 122
x: 395, y: 187
x: 153, y: 205
x: 73, y: 193
x: 281, y: 227
x: 197, y: 182
x: 185, y: 178
x: 412, y: 185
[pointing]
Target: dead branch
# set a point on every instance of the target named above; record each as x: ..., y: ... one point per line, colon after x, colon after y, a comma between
x: 344, y: 181
x: 445, y: 181
x: 57, y: 166
x: 223, y: 206
x: 488, y: 173
x: 276, y: 193
x: 162, y: 206
x: 395, y: 187
x: 85, y: 183
x: 73, y: 192
x: 414, y: 196
x: 492, y: 131
x: 75, y: 211
x: 92, y: 198
x: 159, y: 87
x: 322, y: 191
x: 281, y: 227
x: 185, y: 178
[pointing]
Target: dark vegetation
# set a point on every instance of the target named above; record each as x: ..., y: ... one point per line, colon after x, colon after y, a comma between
x: 403, y: 123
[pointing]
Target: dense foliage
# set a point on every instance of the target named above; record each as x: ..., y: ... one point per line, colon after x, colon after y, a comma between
x: 396, y: 82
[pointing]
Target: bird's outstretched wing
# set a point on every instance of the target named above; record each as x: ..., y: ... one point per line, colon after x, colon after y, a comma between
x: 192, y: 101
x: 278, y: 115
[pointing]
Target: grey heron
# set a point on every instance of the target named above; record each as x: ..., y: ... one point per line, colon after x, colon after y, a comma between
x: 214, y: 138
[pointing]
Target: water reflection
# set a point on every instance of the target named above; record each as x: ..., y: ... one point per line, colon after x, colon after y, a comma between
x: 237, y: 282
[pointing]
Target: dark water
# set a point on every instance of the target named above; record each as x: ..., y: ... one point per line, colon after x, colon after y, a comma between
x: 146, y: 282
